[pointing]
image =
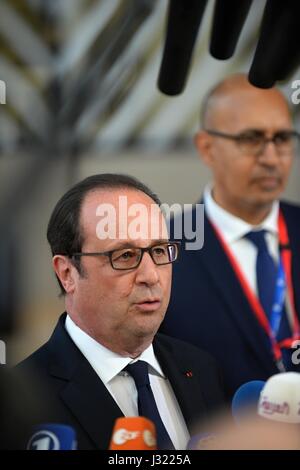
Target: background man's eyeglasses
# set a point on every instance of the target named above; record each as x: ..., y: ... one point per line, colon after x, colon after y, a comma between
x: 131, y: 257
x: 254, y: 141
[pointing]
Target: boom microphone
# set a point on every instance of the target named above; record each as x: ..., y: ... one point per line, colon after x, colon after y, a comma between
x: 229, y: 19
x: 184, y: 18
x: 133, y: 433
x: 277, y: 51
x: 52, y: 437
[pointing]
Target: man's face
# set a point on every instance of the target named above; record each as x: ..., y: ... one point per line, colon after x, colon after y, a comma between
x: 114, y: 306
x: 242, y: 180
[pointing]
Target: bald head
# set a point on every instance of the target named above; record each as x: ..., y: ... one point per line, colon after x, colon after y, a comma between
x: 246, y: 183
x: 231, y: 96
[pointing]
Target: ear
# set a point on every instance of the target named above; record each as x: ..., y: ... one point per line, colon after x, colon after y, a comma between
x: 203, y: 142
x: 65, y: 272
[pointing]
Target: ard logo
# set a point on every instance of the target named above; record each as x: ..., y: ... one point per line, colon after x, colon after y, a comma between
x: 43, y: 440
x: 2, y: 352
x: 2, y: 92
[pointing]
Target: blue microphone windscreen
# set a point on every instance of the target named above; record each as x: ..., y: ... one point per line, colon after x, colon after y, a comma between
x: 52, y: 437
x: 246, y: 398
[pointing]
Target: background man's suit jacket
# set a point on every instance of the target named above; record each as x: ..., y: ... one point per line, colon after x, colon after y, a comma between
x: 209, y: 309
x: 66, y: 390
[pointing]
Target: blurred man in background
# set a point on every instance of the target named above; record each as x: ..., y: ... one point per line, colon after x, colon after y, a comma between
x: 239, y: 297
x: 104, y: 359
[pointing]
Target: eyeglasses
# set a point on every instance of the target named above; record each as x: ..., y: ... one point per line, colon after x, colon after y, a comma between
x: 254, y: 141
x: 131, y: 257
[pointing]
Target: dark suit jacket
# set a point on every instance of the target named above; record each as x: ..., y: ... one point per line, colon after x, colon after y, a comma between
x: 66, y: 389
x: 209, y: 309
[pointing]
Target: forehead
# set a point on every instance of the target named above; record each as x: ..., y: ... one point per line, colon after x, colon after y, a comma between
x: 250, y: 107
x: 121, y: 214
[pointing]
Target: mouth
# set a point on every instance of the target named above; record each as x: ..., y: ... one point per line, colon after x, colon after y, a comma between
x: 148, y: 305
x: 269, y: 182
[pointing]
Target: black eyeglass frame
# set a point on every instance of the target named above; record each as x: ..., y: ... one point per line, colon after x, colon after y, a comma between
x: 238, y: 137
x: 143, y: 250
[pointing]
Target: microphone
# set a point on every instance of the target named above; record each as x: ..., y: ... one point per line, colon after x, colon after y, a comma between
x: 184, y: 18
x: 201, y: 441
x: 280, y: 398
x: 277, y: 53
x: 229, y: 19
x: 245, y: 399
x: 133, y: 433
x: 52, y: 437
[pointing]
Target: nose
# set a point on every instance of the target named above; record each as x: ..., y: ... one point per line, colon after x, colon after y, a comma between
x: 147, y: 271
x: 269, y: 155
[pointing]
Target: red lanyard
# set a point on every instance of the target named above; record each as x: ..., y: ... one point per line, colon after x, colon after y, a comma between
x: 252, y: 298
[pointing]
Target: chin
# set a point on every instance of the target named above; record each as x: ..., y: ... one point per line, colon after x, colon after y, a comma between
x: 269, y: 197
x: 148, y: 327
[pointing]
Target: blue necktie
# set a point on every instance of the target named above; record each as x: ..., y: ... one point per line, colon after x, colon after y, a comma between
x: 266, y: 276
x: 146, y: 402
x: 266, y: 271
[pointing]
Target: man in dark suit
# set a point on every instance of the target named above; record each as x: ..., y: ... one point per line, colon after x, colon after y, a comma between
x: 112, y: 259
x: 239, y: 296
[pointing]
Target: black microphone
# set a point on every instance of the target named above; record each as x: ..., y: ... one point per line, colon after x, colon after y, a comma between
x: 184, y: 18
x: 228, y: 21
x: 288, y: 57
x: 277, y: 51
x: 261, y: 73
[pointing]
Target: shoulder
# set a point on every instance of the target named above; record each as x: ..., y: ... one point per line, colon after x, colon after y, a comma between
x: 186, y: 351
x: 290, y: 210
x: 179, y: 358
x: 291, y: 214
x: 38, y: 358
x: 58, y: 350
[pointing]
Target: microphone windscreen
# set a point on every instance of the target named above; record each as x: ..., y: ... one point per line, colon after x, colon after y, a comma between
x: 288, y: 53
x: 201, y: 441
x: 280, y: 398
x: 184, y: 18
x: 277, y: 52
x: 261, y: 73
x: 245, y: 399
x: 228, y: 21
x: 52, y: 437
x: 133, y: 433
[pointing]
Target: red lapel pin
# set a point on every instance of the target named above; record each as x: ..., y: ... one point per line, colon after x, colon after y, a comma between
x: 189, y: 373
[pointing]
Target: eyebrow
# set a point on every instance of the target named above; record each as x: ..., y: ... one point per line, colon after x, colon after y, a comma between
x: 257, y: 129
x: 120, y: 246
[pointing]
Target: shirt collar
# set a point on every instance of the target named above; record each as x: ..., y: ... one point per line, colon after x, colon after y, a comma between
x: 105, y: 362
x: 233, y: 228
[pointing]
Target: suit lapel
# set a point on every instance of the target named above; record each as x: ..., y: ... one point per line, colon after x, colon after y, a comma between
x: 292, y: 219
x: 84, y: 393
x: 88, y: 399
x: 188, y: 390
x: 227, y: 285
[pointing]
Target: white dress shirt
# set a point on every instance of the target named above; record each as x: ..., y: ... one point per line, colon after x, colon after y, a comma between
x: 233, y: 230
x: 109, y: 367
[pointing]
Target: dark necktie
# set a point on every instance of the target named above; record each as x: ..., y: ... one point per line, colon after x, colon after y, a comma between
x: 266, y: 271
x: 146, y: 402
x: 266, y: 275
